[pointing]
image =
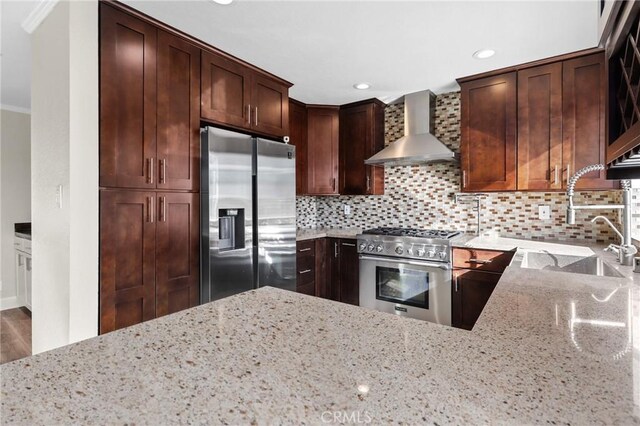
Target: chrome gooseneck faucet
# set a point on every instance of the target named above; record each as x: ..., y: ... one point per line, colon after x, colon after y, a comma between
x: 625, y: 250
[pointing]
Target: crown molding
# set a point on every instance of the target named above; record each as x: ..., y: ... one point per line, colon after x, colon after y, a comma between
x: 15, y: 109
x: 37, y: 15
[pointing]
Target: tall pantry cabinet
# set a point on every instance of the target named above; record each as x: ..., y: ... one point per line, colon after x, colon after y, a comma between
x: 149, y: 171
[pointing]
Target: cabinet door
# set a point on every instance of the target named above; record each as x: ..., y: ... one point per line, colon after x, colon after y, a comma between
x: 298, y: 134
x: 488, y: 126
x: 470, y: 293
x: 583, y: 111
x: 27, y: 281
x: 21, y: 278
x: 270, y: 102
x: 226, y: 91
x: 333, y: 269
x: 127, y: 100
x: 178, y: 113
x: 349, y: 273
x: 127, y: 258
x: 361, y: 136
x: 178, y: 250
x: 322, y: 142
x: 321, y: 256
x: 540, y: 128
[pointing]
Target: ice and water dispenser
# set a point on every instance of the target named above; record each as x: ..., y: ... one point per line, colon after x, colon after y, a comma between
x: 231, y: 229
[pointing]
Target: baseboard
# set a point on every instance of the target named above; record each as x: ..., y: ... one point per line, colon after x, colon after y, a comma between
x: 9, y: 303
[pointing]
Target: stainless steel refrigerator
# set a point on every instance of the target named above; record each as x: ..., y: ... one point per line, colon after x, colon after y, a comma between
x: 248, y: 214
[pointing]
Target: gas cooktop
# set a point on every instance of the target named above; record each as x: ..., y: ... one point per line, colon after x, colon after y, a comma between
x: 412, y: 232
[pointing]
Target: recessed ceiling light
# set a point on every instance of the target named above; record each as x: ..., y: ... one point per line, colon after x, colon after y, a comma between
x: 484, y: 53
x: 362, y: 86
x: 222, y: 1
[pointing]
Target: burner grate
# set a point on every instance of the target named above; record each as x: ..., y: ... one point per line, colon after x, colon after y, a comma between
x: 412, y: 232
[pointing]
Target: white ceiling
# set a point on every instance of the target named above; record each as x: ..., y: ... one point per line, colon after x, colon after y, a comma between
x: 324, y: 47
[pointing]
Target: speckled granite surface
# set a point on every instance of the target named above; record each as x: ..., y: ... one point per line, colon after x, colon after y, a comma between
x: 549, y: 347
x: 311, y: 234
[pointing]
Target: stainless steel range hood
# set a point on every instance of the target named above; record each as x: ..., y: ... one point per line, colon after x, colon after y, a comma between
x: 418, y: 145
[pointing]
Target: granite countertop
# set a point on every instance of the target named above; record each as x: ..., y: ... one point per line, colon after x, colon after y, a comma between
x: 311, y: 234
x: 549, y: 347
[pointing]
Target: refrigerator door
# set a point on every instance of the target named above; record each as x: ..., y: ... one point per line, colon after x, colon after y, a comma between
x: 227, y: 202
x: 276, y: 214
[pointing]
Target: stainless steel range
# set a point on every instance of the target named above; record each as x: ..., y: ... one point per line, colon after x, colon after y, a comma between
x: 407, y: 272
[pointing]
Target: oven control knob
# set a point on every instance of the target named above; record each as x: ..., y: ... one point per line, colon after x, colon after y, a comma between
x: 371, y: 247
x: 420, y: 252
x: 379, y: 248
x: 363, y: 246
x: 399, y: 250
x: 442, y: 255
x: 431, y: 253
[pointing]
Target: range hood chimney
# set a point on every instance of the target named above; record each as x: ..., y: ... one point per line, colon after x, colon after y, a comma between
x: 418, y: 145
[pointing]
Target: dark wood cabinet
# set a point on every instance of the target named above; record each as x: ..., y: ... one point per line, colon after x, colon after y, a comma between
x: 311, y: 267
x: 177, y: 252
x: 178, y: 134
x: 322, y: 150
x: 470, y: 293
x: 583, y: 110
x: 127, y: 100
x: 226, y: 91
x: 298, y: 134
x: 540, y: 128
x: 238, y: 96
x: 149, y: 255
x: 488, y: 133
x: 127, y: 258
x: 343, y: 271
x: 476, y: 273
x: 361, y: 136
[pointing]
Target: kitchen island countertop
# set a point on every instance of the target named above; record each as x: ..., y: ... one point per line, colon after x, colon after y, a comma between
x: 548, y: 347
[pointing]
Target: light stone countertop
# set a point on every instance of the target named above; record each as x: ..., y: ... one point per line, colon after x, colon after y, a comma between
x: 311, y: 234
x: 548, y: 347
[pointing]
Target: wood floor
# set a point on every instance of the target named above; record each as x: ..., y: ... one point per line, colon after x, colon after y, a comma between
x: 15, y: 334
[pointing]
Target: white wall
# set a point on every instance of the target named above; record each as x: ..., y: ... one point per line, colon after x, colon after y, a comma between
x: 15, y: 193
x: 64, y: 108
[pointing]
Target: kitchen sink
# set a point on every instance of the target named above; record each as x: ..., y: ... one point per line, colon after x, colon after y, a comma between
x: 590, y: 265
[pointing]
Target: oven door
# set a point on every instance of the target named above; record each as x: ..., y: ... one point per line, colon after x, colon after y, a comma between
x: 413, y: 288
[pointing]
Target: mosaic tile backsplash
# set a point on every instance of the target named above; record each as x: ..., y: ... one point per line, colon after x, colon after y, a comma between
x: 424, y: 197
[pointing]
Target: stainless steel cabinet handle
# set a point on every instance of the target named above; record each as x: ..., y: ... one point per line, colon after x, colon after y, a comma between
x: 249, y: 114
x: 481, y: 261
x: 150, y: 209
x: 305, y: 249
x: 335, y: 249
x: 28, y: 263
x: 306, y: 271
x: 555, y: 175
x: 256, y: 123
x: 163, y: 170
x: 333, y: 183
x: 464, y: 178
x: 348, y: 244
x: 456, y: 284
x: 150, y: 170
x: 368, y: 183
x: 163, y: 209
x: 20, y: 260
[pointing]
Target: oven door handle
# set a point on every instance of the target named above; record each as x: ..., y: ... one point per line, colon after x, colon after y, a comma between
x: 444, y: 266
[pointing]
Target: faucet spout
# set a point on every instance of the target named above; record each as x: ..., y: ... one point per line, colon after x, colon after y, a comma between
x: 608, y: 222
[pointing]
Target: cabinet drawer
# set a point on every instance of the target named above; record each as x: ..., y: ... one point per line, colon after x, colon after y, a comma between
x: 306, y: 248
x: 306, y: 270
x: 484, y: 260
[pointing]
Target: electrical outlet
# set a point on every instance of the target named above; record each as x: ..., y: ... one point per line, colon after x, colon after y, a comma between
x: 347, y: 209
x: 544, y: 212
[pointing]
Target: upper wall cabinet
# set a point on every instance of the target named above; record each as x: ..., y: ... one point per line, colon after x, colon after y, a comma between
x: 237, y: 96
x: 556, y: 107
x: 488, y: 131
x: 149, y: 106
x: 322, y: 146
x: 361, y: 136
x: 127, y: 100
x: 298, y: 134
